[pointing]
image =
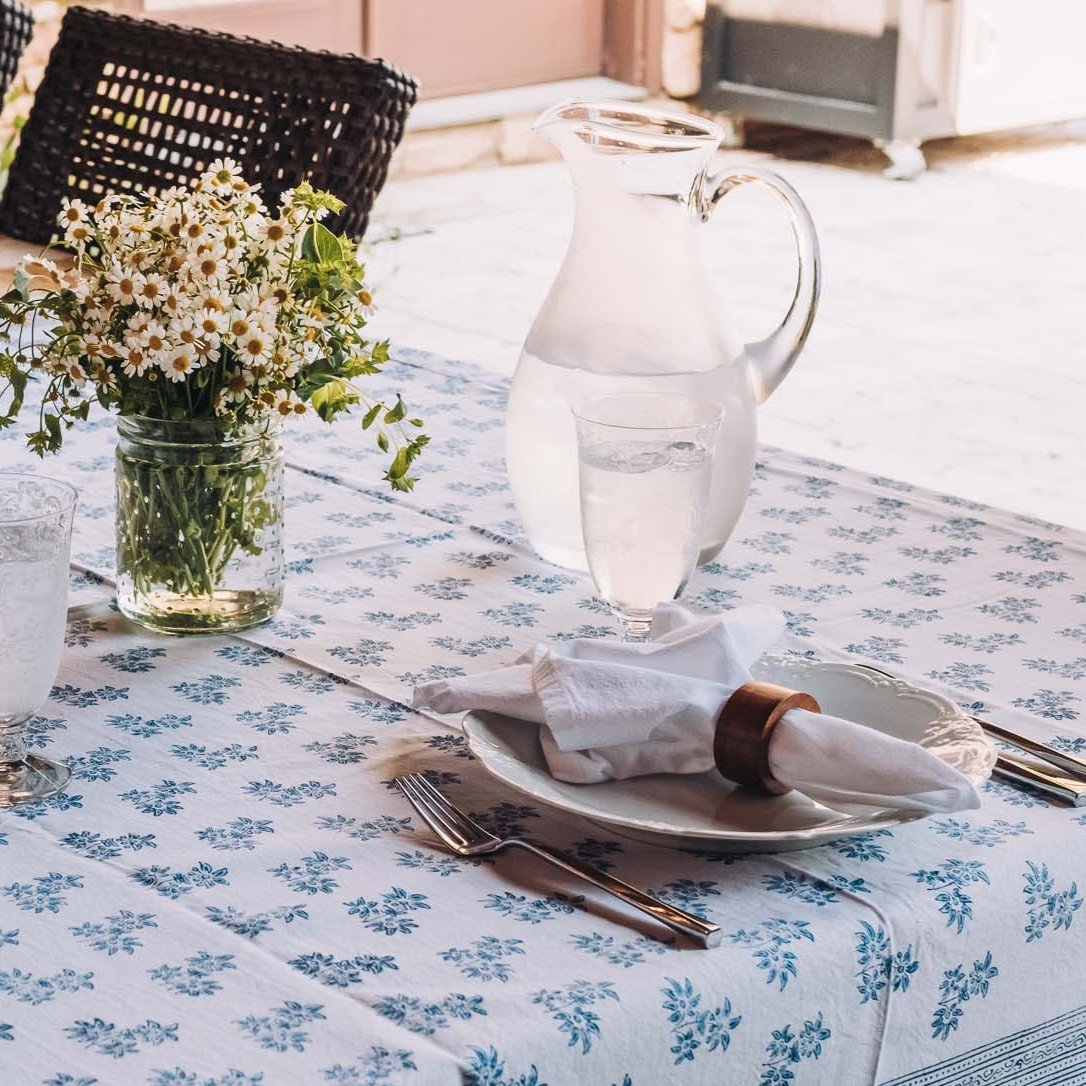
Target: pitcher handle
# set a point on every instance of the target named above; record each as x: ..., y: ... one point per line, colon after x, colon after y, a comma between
x: 771, y: 358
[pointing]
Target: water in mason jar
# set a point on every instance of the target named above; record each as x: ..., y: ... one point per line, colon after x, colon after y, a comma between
x: 33, y: 610
x: 643, y: 510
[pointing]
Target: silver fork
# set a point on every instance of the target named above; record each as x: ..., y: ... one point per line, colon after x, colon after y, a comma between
x: 468, y: 838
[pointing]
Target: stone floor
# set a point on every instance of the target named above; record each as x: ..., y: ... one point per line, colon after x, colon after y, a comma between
x: 949, y: 346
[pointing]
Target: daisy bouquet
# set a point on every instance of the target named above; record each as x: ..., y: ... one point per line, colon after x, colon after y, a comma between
x: 198, y: 305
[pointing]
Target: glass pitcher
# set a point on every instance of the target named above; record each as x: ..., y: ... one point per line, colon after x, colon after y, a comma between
x: 632, y: 311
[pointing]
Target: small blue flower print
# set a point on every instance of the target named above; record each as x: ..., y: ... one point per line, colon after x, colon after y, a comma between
x: 486, y: 958
x: 625, y: 954
x: 487, y: 1068
x: 134, y: 660
x: 99, y: 764
x: 532, y: 910
x: 768, y: 941
x: 382, y: 566
x: 771, y: 542
x: 477, y: 646
x: 160, y: 799
x: 80, y: 632
x: 885, y: 649
x: 116, y: 934
x: 1043, y: 578
x: 1066, y: 669
x: 477, y: 560
x: 140, y: 728
x: 312, y: 874
x: 866, y: 537
x: 311, y: 682
x: 383, y: 712
x: 903, y: 620
x: 447, y: 588
x: 1047, y: 906
x: 275, y: 719
x: 957, y: 988
x: 366, y: 652
x: 515, y: 614
x: 239, y: 833
x: 946, y: 882
x: 926, y: 585
x: 1015, y: 609
x: 990, y: 835
x: 390, y: 914
x: 1035, y: 550
x: 388, y: 621
x: 694, y: 1026
x: 791, y: 1045
x: 34, y: 990
x: 1053, y: 704
x: 884, y: 509
x: 961, y: 528
x: 83, y: 699
x: 281, y: 1029
x: 986, y: 643
x: 348, y: 749
x: 800, y: 887
x: 863, y: 847
x: 810, y: 593
x: 283, y: 795
x: 568, y: 1006
x: 248, y: 655
x: 196, y: 976
x: 343, y: 972
x: 427, y: 1018
x: 880, y: 965
x: 964, y: 676
x: 45, y: 893
x: 363, y: 831
x: 844, y: 564
x: 544, y: 584
x: 213, y: 758
x: 211, y: 690
x: 251, y: 925
x: 792, y: 515
x: 96, y: 847
x: 107, y: 1039
x: 175, y: 884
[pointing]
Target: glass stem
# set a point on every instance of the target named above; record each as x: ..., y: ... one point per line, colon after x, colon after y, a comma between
x: 12, y: 744
x: 635, y: 627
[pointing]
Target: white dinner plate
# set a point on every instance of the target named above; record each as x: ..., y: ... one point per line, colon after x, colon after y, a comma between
x: 705, y: 810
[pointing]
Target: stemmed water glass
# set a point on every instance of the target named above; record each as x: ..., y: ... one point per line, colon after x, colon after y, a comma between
x: 646, y: 463
x: 35, y: 540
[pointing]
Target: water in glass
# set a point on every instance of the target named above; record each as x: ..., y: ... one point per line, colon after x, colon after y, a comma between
x: 646, y: 467
x: 35, y: 536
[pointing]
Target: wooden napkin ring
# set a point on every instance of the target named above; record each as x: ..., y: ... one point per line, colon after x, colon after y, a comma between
x: 743, y: 730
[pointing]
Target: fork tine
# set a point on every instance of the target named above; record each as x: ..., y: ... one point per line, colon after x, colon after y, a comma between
x: 453, y: 814
x: 454, y: 839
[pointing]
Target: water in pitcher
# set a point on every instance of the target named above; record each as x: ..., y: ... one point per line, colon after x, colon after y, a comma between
x: 643, y: 509
x: 541, y: 449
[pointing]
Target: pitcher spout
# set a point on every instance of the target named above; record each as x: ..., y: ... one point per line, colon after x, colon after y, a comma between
x: 624, y: 127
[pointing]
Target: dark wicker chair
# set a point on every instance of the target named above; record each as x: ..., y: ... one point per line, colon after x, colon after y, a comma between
x: 129, y: 104
x: 16, y: 29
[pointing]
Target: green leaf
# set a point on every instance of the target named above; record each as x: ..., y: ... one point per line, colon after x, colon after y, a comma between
x: 369, y: 417
x: 321, y: 245
x: 382, y: 441
x: 397, y: 412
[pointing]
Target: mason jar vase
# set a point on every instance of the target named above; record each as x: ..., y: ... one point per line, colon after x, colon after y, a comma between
x: 199, y: 524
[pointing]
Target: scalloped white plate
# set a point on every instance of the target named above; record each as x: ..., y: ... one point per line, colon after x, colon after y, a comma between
x: 706, y: 811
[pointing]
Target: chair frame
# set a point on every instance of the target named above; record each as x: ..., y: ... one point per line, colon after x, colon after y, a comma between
x: 129, y: 104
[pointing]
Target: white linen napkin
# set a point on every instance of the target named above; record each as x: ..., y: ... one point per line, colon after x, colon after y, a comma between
x: 610, y: 710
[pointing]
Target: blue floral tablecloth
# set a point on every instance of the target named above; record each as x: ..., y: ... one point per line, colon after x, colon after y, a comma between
x: 230, y: 893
